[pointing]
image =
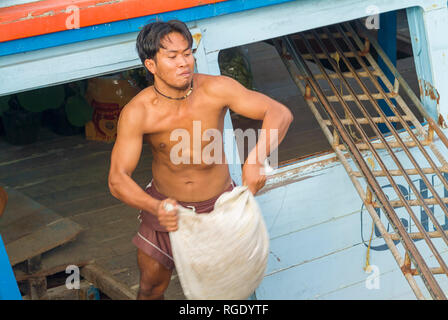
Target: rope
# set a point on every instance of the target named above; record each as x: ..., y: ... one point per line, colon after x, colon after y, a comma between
x: 366, y: 268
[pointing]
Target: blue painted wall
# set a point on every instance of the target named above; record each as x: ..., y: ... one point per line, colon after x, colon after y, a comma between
x: 387, y: 38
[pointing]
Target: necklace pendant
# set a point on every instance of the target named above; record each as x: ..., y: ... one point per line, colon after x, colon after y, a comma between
x: 173, y: 98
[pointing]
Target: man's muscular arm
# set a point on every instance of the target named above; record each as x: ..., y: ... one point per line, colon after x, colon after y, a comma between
x: 124, y: 159
x: 255, y: 105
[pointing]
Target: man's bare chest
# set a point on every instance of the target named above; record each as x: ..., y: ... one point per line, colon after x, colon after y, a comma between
x: 187, y: 132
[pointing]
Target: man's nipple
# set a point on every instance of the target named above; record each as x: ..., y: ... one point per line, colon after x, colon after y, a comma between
x: 162, y: 145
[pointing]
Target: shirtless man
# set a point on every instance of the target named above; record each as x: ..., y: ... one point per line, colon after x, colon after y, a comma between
x: 178, y: 97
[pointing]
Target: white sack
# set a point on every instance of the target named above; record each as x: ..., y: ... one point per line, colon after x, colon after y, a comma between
x: 223, y: 254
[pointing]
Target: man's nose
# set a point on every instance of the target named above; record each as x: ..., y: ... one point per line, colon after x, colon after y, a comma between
x: 182, y: 61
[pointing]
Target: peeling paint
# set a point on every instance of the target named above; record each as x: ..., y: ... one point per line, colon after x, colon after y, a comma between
x: 441, y: 122
x: 30, y: 16
x: 197, y: 38
x: 426, y: 89
x: 298, y: 174
x: 104, y: 3
x: 53, y: 13
x: 432, y: 7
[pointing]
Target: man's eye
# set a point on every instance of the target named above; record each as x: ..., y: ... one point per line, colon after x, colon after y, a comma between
x: 172, y: 57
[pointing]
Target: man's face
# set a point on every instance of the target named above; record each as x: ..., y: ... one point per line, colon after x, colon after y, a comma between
x: 174, y: 63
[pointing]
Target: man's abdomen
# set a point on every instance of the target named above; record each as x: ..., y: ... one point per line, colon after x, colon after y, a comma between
x: 191, y: 183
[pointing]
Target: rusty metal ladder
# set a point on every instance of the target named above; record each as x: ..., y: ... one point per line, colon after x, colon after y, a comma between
x: 337, y: 112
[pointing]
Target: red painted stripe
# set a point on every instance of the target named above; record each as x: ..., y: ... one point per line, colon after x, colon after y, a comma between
x: 49, y: 16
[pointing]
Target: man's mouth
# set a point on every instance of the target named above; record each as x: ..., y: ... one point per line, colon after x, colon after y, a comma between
x: 185, y: 74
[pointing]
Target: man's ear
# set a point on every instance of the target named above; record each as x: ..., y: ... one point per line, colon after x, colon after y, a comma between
x: 150, y: 64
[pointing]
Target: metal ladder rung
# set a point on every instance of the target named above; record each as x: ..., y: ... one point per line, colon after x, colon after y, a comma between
x: 406, y: 268
x: 418, y: 235
x: 365, y: 121
x: 381, y: 173
x: 308, y: 56
x: 348, y: 74
x: 412, y: 203
x: 392, y: 144
x: 438, y: 270
x: 323, y: 35
x: 361, y: 97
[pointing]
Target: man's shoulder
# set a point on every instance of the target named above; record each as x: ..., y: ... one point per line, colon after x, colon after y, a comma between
x: 214, y: 84
x: 141, y: 101
x: 137, y: 108
x: 208, y: 79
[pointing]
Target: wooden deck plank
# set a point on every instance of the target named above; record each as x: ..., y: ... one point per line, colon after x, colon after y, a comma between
x: 104, y: 219
x: 44, y: 184
x: 94, y: 170
x: 123, y: 267
x: 19, y: 206
x: 99, y: 228
x: 107, y: 283
x: 51, y: 156
x: 50, y: 165
x: 82, y: 181
x: 80, y: 252
x: 43, y: 145
x: 45, y: 239
x: 125, y: 270
x: 27, y: 224
x: 47, y: 270
x: 91, y: 202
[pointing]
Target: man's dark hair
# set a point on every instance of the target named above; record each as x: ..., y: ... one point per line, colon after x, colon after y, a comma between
x: 150, y: 37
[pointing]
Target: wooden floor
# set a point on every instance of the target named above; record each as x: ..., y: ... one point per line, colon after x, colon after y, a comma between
x: 68, y: 175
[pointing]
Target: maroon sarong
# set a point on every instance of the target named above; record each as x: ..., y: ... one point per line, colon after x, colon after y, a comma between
x: 153, y: 239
